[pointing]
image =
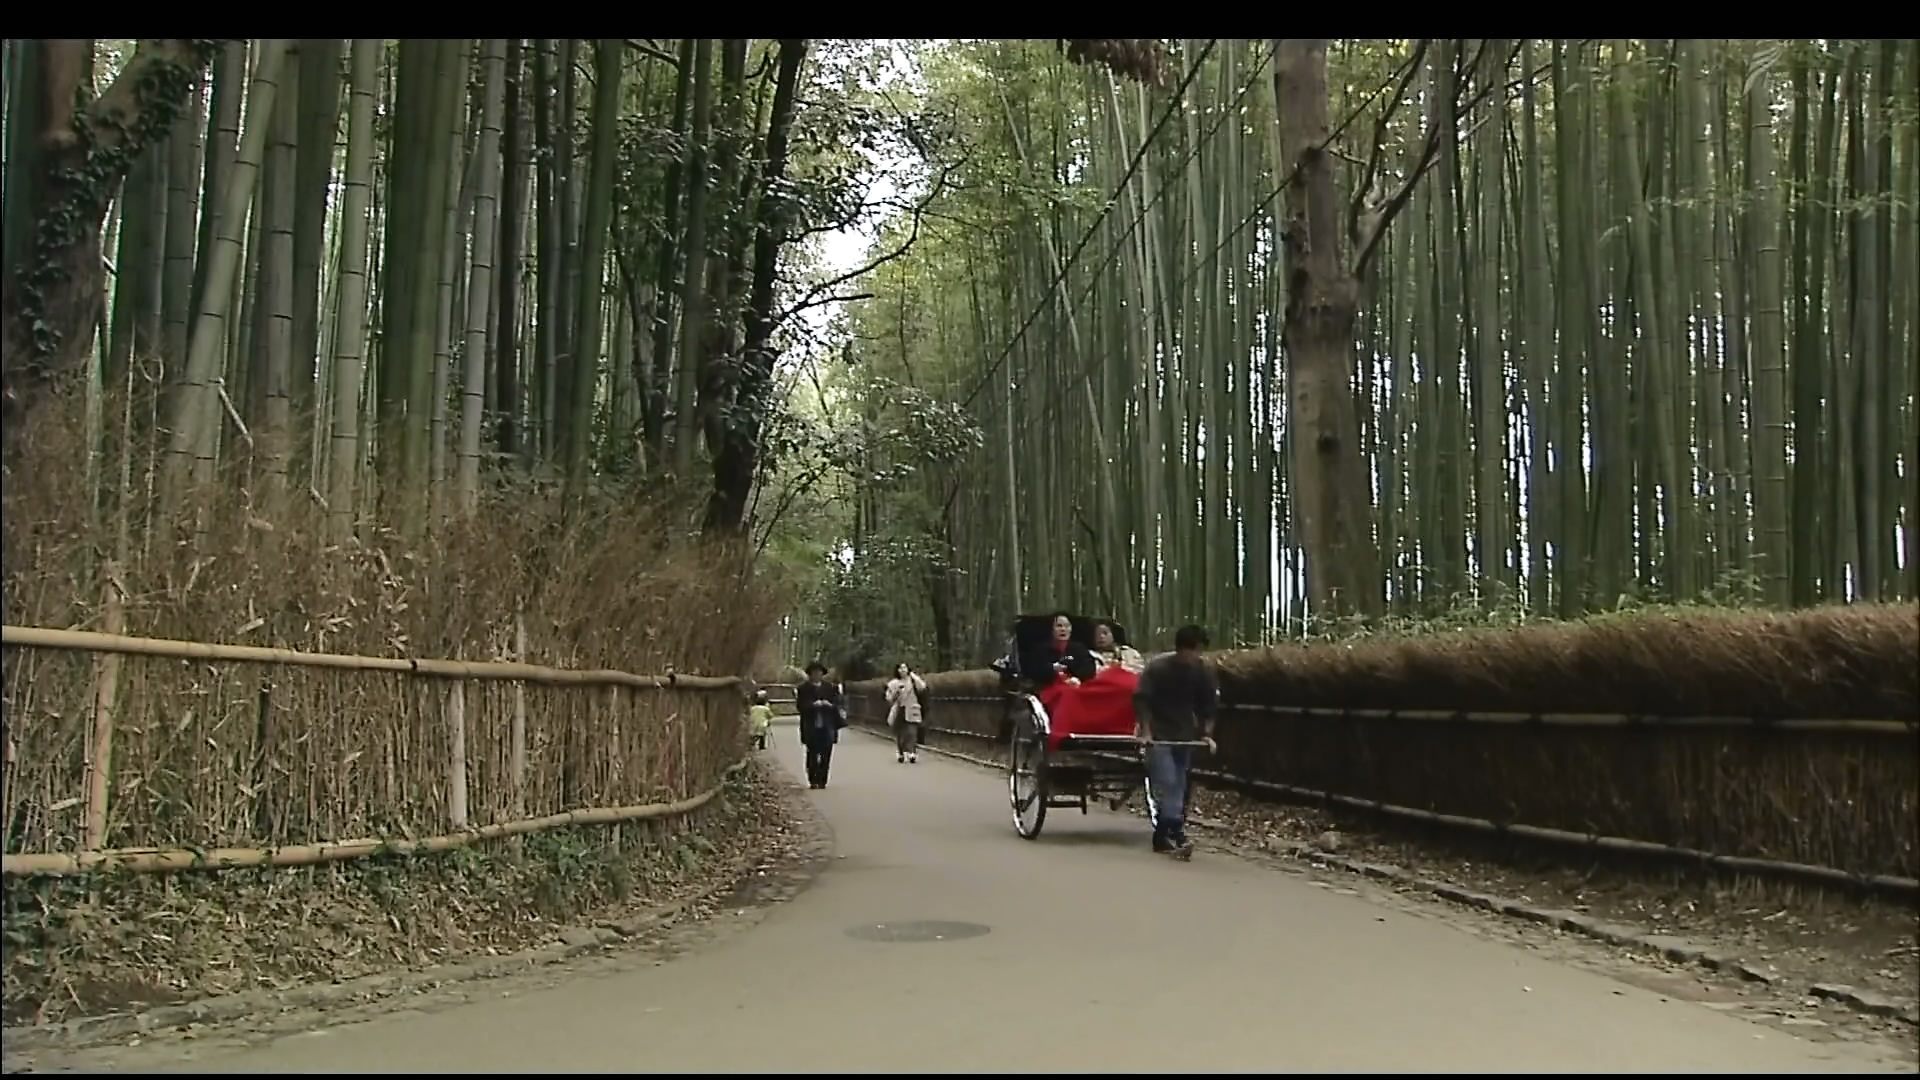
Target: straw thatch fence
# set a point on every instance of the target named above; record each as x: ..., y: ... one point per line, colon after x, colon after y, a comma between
x: 152, y: 755
x: 1780, y: 745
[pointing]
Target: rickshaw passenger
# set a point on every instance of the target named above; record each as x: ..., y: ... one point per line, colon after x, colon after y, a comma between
x: 1112, y: 654
x: 1058, y: 657
x: 1057, y: 664
x: 1102, y: 705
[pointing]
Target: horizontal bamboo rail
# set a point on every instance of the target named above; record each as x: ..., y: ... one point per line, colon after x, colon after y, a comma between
x: 37, y: 637
x: 1590, y: 720
x: 1851, y: 725
x: 172, y: 860
x: 1888, y: 884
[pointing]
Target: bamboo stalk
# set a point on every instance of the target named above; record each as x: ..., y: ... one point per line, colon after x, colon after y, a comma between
x: 106, y: 687
x: 162, y: 861
x: 39, y: 637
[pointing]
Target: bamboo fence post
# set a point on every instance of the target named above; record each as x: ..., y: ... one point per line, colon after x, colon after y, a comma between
x: 517, y: 744
x: 106, y: 688
x: 457, y: 755
x: 616, y: 754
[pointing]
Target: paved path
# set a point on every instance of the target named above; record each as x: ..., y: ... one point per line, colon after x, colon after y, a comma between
x: 1101, y: 957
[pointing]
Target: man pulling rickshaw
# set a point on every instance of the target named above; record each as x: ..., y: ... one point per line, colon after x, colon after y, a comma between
x: 1081, y: 710
x: 1174, y: 706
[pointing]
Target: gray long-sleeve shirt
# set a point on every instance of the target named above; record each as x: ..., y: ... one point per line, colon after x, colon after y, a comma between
x: 1176, y: 698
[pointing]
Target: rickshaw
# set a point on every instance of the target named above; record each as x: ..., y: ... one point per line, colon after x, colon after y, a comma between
x: 1055, y: 762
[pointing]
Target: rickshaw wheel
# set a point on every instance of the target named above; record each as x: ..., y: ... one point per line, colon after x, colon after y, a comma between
x: 1027, y: 775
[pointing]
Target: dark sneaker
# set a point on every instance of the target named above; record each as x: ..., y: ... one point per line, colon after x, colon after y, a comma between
x: 1182, y: 850
x: 1161, y: 844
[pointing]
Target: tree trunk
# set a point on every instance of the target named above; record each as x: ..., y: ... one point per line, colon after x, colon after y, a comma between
x: 1322, y: 302
x: 689, y: 359
x: 585, y: 339
x: 656, y: 387
x: 737, y: 459
x: 50, y: 299
x: 319, y: 130
x: 506, y: 342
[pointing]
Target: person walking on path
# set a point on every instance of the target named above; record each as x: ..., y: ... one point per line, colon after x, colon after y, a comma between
x: 822, y: 714
x: 1174, y: 703
x: 904, y: 712
x: 760, y: 720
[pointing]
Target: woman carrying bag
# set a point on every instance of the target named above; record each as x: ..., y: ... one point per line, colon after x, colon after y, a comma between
x: 904, y: 712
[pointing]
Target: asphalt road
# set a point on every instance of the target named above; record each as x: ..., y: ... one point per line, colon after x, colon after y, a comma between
x: 1088, y: 954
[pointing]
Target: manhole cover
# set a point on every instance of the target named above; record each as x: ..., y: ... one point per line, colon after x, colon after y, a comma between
x: 918, y: 931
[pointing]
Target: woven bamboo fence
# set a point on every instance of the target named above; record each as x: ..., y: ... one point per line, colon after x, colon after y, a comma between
x: 146, y: 754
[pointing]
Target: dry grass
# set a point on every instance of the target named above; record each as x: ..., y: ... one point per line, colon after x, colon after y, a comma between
x: 228, y: 753
x: 1845, y: 800
x: 1861, y: 660
x: 208, y: 754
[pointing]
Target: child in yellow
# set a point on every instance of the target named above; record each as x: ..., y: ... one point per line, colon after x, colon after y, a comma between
x: 760, y: 719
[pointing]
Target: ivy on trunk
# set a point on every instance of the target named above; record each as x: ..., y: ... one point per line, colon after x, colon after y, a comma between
x: 52, y: 288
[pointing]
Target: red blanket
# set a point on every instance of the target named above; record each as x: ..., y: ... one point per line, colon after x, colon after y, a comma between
x: 1103, y: 705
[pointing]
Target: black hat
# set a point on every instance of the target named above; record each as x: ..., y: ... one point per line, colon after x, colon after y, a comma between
x: 816, y: 666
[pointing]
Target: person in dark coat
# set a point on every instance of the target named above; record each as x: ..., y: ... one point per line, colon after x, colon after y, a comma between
x: 822, y: 714
x: 1057, y: 663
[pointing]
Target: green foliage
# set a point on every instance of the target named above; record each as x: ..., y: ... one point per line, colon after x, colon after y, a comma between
x: 1178, y: 279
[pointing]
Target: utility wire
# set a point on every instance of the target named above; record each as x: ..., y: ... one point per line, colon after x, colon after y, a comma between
x: 1139, y: 219
x: 1052, y: 394
x: 1179, y: 96
x: 1205, y: 261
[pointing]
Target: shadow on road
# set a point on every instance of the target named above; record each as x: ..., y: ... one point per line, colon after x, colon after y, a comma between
x: 1095, y: 837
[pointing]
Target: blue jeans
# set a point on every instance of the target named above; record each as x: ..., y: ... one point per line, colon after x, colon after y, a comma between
x: 1167, y: 790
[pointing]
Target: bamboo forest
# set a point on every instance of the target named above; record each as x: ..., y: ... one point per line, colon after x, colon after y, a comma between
x: 1284, y: 337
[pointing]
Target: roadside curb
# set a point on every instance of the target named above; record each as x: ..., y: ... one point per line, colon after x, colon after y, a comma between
x: 1675, y: 949
x: 799, y: 869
